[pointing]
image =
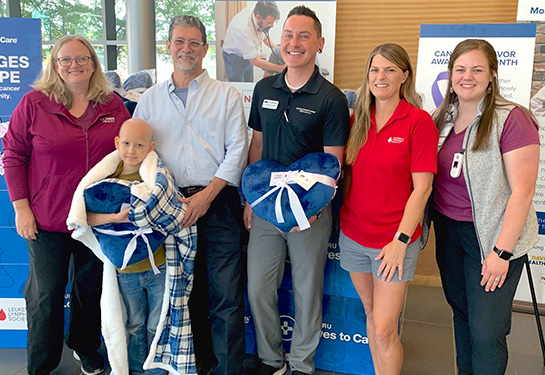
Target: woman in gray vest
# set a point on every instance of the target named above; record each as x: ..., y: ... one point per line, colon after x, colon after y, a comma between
x: 483, y: 215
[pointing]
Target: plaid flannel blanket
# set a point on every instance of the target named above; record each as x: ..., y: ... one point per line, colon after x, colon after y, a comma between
x: 154, y: 204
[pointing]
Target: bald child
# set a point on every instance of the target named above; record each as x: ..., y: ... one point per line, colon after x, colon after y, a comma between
x: 133, y: 143
x: 142, y: 290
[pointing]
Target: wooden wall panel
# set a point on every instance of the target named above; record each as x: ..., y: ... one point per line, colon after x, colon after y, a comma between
x: 363, y: 24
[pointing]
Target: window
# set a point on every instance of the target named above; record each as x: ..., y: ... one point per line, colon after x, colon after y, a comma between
x: 62, y: 17
x: 164, y: 11
x: 108, y: 34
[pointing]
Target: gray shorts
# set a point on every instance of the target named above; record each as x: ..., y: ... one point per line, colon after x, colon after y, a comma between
x: 361, y: 259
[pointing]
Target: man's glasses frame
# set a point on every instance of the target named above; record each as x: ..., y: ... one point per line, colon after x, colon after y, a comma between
x: 193, y: 43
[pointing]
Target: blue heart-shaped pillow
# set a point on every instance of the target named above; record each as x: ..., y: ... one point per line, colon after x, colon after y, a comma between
x: 256, y: 183
x: 106, y: 197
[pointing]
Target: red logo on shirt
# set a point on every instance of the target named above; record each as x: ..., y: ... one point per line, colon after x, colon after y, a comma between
x: 395, y: 140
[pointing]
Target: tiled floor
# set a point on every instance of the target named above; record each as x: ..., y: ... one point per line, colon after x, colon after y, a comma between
x: 426, y: 334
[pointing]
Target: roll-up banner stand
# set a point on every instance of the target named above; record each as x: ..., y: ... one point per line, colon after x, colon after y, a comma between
x: 515, y: 46
x: 20, y: 64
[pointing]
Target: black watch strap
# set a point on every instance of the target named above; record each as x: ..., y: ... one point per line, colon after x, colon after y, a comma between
x: 503, y: 254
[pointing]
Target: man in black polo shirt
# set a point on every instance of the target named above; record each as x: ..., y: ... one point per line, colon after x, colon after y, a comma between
x: 293, y: 114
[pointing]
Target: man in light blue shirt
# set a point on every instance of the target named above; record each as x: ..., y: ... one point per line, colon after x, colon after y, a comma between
x: 199, y: 129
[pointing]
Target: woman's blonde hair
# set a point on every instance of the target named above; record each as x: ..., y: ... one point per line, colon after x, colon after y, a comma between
x: 366, y: 100
x: 51, y: 84
x: 492, y: 96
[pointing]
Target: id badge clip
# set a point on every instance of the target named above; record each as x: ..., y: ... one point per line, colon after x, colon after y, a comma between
x: 457, y: 160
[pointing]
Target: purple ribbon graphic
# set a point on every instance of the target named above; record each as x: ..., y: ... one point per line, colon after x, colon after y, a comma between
x: 435, y: 91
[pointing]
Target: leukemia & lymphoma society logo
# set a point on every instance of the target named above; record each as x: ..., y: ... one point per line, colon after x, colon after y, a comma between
x: 286, y: 325
x: 12, y: 313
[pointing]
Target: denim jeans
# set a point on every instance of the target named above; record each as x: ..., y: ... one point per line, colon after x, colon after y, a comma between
x: 143, y: 294
x: 53, y: 256
x: 482, y: 320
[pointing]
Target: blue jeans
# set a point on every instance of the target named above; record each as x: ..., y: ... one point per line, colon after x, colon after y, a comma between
x: 142, y: 293
x: 482, y: 320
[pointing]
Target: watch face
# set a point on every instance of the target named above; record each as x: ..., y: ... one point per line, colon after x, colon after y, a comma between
x: 505, y: 255
x: 403, y: 238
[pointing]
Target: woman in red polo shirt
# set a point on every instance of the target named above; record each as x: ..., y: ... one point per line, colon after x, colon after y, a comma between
x: 392, y: 152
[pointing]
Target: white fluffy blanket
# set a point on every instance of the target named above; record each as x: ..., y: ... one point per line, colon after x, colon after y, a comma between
x: 153, y: 201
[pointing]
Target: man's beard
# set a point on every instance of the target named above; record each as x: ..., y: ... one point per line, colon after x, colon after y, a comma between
x: 184, y: 67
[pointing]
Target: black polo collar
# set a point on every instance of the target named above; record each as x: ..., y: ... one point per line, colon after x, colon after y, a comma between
x: 312, y: 86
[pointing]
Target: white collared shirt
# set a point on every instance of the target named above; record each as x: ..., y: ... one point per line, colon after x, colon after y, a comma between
x: 207, y: 138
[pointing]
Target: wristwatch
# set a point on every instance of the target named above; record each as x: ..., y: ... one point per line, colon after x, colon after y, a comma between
x: 402, y: 237
x: 503, y: 254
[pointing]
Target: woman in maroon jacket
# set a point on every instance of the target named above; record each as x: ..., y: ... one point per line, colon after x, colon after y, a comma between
x: 56, y: 134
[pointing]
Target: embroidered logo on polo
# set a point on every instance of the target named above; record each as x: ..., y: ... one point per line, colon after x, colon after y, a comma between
x: 306, y: 111
x: 108, y: 120
x: 396, y: 140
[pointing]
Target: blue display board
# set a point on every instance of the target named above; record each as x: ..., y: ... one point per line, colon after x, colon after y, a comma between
x: 343, y: 346
x: 20, y: 60
x: 20, y: 64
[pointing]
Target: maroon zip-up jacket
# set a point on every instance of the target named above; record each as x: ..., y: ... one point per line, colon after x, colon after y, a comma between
x: 46, y: 153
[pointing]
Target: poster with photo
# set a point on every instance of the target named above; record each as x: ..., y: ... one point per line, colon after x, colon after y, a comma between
x: 248, y: 38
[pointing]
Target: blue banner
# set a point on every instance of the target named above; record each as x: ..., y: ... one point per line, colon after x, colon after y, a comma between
x: 20, y: 60
x: 20, y: 64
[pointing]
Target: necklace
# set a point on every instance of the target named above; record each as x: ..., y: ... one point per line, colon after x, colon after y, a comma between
x: 292, y: 88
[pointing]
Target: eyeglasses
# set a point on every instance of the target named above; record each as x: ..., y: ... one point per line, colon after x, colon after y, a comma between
x: 193, y: 44
x: 80, y: 60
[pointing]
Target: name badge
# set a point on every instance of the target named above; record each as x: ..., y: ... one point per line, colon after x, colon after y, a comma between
x: 270, y: 104
x: 456, y: 168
